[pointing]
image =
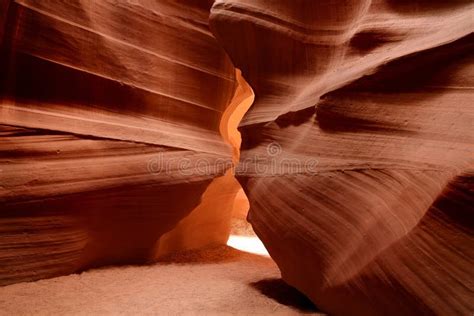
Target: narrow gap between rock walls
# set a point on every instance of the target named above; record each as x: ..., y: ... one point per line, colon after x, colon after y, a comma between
x: 242, y: 236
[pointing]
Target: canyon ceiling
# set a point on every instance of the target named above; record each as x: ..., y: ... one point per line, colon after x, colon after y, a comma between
x: 129, y: 128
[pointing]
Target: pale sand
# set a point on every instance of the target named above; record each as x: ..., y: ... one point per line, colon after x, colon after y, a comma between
x: 218, y: 281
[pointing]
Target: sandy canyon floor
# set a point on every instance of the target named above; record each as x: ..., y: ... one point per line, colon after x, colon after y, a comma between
x: 215, y: 281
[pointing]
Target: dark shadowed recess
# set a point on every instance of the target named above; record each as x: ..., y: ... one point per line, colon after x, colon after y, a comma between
x: 89, y: 229
x: 368, y: 40
x: 284, y: 294
x: 427, y: 71
x: 432, y: 67
x: 456, y: 205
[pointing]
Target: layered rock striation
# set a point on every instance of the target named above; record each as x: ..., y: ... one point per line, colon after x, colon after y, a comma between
x: 359, y: 148
x: 107, y: 108
x: 356, y: 151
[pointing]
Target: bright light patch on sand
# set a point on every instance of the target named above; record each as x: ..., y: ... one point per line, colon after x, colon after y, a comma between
x: 247, y: 244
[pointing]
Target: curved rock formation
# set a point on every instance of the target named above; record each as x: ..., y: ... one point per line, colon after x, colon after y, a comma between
x: 118, y: 137
x: 107, y: 109
x: 293, y: 52
x: 224, y: 199
x: 364, y: 195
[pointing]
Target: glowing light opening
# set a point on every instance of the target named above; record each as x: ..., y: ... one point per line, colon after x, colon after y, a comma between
x: 247, y: 244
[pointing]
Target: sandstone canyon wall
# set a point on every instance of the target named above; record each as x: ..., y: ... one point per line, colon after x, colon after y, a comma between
x: 359, y: 148
x: 102, y: 102
x: 357, y: 153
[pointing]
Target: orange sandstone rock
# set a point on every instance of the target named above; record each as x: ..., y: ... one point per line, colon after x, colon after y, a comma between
x: 101, y: 103
x: 359, y: 148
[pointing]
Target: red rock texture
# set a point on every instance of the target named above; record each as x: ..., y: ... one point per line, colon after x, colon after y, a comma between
x: 357, y: 153
x: 378, y: 96
x: 101, y: 101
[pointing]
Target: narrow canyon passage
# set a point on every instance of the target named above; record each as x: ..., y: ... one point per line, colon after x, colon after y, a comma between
x: 236, y: 157
x: 239, y: 278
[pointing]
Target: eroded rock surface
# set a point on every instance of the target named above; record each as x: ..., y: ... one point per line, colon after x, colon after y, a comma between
x: 361, y: 189
x: 102, y: 101
x: 357, y: 153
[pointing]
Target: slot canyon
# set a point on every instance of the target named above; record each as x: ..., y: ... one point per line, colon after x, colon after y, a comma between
x: 236, y: 157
